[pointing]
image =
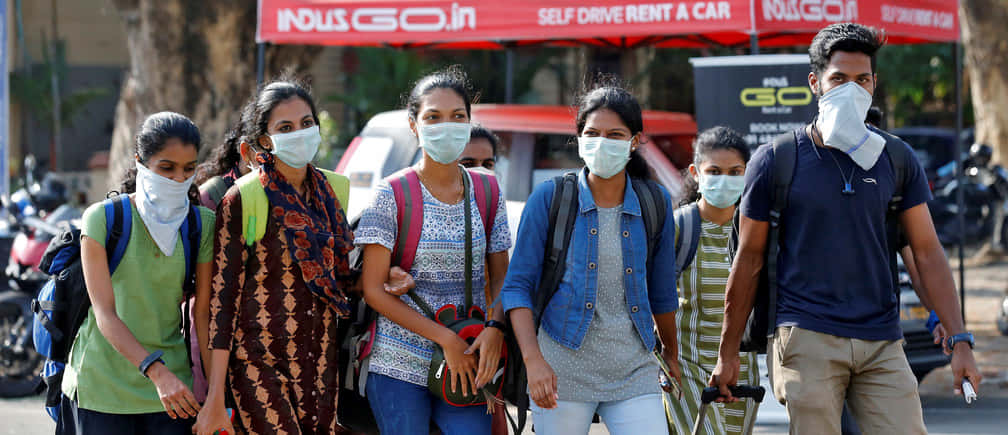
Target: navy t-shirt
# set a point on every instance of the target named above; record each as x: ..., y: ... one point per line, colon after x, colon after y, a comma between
x: 833, y: 267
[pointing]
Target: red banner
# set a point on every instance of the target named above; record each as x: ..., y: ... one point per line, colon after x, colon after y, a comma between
x: 341, y: 22
x: 476, y: 23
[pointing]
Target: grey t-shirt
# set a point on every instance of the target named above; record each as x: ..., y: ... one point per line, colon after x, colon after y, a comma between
x: 612, y: 363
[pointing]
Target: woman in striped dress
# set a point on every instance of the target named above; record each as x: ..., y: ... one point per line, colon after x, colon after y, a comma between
x: 716, y: 183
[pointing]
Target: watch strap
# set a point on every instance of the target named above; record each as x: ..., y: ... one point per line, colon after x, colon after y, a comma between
x: 495, y: 324
x: 149, y: 361
x: 965, y: 336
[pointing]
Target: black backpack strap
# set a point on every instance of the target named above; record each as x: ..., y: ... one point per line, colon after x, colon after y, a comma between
x: 687, y: 222
x: 653, y: 211
x: 785, y: 151
x: 563, y: 211
x: 192, y: 229
x: 898, y: 153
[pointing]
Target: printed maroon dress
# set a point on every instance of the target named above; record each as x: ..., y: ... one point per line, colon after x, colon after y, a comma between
x: 275, y: 306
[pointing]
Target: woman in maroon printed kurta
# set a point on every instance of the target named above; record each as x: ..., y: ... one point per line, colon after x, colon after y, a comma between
x: 275, y: 303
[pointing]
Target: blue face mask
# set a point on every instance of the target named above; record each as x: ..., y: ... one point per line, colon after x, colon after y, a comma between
x: 721, y: 191
x: 445, y: 141
x: 298, y: 148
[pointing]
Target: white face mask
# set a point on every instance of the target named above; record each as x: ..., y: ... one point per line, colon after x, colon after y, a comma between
x: 604, y: 157
x: 445, y: 141
x: 841, y: 121
x: 721, y: 191
x: 298, y: 148
x: 163, y: 204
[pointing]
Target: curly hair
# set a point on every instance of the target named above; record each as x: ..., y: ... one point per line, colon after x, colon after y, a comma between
x: 223, y: 158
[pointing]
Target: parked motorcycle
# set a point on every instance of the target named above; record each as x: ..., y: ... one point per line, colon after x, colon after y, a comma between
x: 985, y: 200
x: 38, y: 213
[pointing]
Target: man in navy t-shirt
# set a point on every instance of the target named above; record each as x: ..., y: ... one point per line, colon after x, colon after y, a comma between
x: 838, y: 334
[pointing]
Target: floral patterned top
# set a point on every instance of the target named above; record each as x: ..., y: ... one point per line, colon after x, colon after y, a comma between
x: 438, y: 270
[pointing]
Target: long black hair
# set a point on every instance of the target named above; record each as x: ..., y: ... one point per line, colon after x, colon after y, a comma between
x: 224, y: 158
x: 256, y: 115
x: 711, y: 139
x: 608, y: 93
x: 452, y: 77
x: 155, y: 131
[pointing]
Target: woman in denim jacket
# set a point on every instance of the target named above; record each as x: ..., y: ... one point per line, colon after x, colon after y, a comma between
x: 593, y: 350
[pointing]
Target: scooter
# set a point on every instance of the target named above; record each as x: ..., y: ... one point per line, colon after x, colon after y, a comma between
x: 32, y: 212
x: 985, y: 200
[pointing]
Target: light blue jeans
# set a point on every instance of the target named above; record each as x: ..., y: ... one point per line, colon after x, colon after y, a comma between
x: 634, y: 416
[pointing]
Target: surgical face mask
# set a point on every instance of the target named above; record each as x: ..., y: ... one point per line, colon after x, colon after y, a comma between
x: 604, y: 157
x: 162, y: 204
x: 721, y: 191
x: 841, y: 122
x: 298, y: 148
x: 445, y: 141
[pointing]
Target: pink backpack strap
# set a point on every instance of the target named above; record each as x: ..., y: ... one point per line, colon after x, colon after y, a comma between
x: 409, y: 213
x: 487, y: 194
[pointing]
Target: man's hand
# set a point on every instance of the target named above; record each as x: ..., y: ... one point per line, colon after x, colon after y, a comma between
x: 726, y: 374
x: 940, y: 337
x: 963, y: 366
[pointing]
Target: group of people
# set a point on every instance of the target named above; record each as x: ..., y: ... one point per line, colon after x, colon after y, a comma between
x: 273, y: 276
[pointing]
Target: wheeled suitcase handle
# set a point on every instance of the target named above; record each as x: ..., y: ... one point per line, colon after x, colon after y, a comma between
x: 756, y: 393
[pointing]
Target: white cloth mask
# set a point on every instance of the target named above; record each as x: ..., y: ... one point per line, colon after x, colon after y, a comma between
x: 721, y: 191
x: 604, y: 157
x: 163, y: 204
x: 444, y: 141
x: 841, y: 121
x: 297, y: 148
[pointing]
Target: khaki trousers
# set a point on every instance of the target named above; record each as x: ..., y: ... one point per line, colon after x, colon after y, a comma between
x: 813, y: 373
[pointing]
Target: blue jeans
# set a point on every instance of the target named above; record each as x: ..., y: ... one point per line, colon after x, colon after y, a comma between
x: 402, y: 408
x: 634, y: 416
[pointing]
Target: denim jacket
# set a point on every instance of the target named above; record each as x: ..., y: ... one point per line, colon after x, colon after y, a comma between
x: 570, y: 311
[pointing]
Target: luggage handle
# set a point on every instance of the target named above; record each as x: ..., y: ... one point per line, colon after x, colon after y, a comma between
x: 756, y: 393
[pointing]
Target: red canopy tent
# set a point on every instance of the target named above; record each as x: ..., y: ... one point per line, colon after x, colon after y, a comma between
x: 615, y: 23
x: 472, y: 24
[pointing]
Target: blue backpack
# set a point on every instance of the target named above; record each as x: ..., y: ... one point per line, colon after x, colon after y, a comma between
x: 63, y: 303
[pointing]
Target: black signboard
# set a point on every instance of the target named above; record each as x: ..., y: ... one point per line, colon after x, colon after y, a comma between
x: 760, y: 96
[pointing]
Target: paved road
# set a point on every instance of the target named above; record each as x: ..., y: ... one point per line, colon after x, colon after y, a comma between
x: 943, y: 416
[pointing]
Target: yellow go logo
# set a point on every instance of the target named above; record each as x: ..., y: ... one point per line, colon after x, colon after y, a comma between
x: 790, y: 96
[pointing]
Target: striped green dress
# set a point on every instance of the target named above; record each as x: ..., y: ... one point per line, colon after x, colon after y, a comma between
x: 701, y: 311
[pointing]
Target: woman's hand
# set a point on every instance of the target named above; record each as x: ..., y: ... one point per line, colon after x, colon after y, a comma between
x: 399, y: 281
x: 488, y: 347
x: 542, y: 383
x: 461, y: 363
x: 176, y: 397
x: 671, y: 358
x: 213, y: 418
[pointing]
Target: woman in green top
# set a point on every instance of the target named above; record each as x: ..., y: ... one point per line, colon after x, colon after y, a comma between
x: 715, y: 185
x: 129, y: 371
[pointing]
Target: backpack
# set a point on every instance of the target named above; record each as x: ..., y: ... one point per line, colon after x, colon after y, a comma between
x: 63, y: 302
x: 353, y: 410
x: 255, y: 204
x: 216, y: 187
x: 563, y: 211
x: 687, y: 222
x: 762, y: 322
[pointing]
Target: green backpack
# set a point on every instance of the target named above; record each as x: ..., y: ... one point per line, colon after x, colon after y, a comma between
x: 255, y: 205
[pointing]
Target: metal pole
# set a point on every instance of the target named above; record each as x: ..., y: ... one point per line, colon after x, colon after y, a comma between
x: 260, y: 63
x: 754, y: 43
x: 960, y: 163
x: 509, y: 75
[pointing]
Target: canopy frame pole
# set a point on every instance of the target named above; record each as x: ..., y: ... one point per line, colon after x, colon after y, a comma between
x: 260, y: 63
x: 509, y: 75
x: 960, y: 163
x: 754, y: 43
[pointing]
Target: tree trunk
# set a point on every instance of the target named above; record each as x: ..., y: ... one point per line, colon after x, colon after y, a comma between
x: 193, y: 57
x: 985, y: 37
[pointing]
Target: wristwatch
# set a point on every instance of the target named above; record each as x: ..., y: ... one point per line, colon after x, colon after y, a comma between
x: 495, y: 324
x: 149, y: 361
x: 965, y: 336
